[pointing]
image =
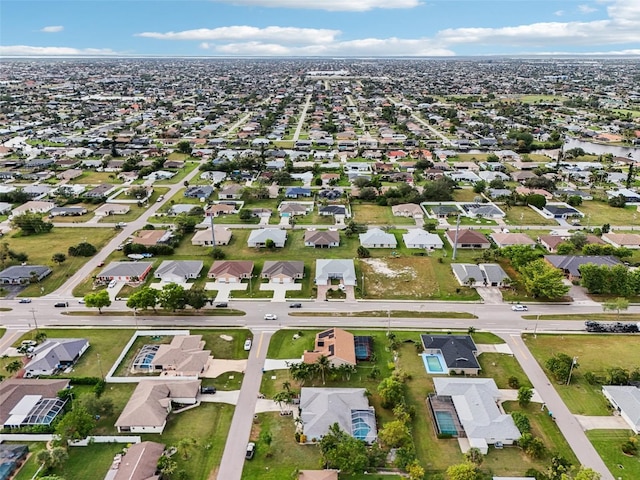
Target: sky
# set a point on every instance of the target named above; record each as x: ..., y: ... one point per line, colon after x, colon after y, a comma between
x: 325, y: 28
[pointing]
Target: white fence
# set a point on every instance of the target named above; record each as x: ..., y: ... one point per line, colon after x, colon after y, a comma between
x: 47, y: 437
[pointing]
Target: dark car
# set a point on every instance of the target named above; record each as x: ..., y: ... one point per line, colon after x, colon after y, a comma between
x: 222, y: 305
x: 61, y: 304
x: 208, y: 390
x: 295, y: 305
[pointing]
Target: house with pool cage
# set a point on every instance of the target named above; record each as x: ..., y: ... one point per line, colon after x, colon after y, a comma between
x: 320, y: 408
x: 470, y: 407
x: 340, y: 347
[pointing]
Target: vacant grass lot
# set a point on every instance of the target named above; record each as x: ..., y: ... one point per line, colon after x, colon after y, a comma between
x: 608, y: 443
x: 599, y: 213
x: 135, y: 211
x: 96, y: 178
x: 370, y: 214
x: 281, y: 459
x: 40, y: 248
x: 525, y: 216
x: 596, y: 354
x: 180, y: 174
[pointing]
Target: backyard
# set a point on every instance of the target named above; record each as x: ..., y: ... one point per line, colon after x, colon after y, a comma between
x: 371, y: 214
x: 608, y: 443
x: 526, y: 216
x: 596, y: 354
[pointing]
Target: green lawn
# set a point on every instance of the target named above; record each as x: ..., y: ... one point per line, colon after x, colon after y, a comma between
x: 284, y: 456
x: 371, y: 214
x: 96, y: 178
x: 525, y: 216
x: 209, y: 425
x: 40, y: 248
x: 135, y: 211
x: 501, y: 367
x: 596, y: 354
x: 599, y: 213
x: 608, y: 443
x: 180, y: 174
x: 79, y: 218
x: 464, y: 195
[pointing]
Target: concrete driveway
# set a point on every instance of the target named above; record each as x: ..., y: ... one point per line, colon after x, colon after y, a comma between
x: 280, y: 290
x: 490, y: 295
x: 160, y: 285
x: 216, y: 367
x: 224, y: 289
x: 613, y: 422
x: 115, y: 290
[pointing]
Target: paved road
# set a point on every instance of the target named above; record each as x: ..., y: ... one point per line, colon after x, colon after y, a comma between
x: 303, y: 115
x: 235, y: 448
x: 567, y: 422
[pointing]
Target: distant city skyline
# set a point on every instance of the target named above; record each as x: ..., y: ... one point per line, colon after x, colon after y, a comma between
x: 325, y: 28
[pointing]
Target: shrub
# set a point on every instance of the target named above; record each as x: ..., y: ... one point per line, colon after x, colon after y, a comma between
x: 514, y: 382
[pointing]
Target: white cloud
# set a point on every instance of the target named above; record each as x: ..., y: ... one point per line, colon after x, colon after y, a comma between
x: 330, y: 5
x: 26, y: 50
x: 586, y: 9
x: 358, y: 48
x: 243, y: 33
x: 620, y: 27
x: 52, y: 29
x: 559, y: 13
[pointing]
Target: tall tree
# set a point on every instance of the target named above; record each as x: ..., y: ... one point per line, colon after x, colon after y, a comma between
x: 324, y: 365
x: 196, y: 297
x: 616, y: 305
x: 31, y: 223
x: 97, y: 300
x: 172, y: 297
x: 75, y: 425
x: 543, y: 280
x: 143, y: 299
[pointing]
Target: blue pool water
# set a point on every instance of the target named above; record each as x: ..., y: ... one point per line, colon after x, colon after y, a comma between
x: 446, y: 423
x: 433, y: 363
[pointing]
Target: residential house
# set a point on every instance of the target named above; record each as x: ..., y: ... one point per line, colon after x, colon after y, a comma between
x: 258, y: 238
x: 152, y: 237
x: 321, y: 238
x: 560, y: 210
x: 5, y: 208
x: 348, y: 407
x: 629, y: 195
x: 509, y: 239
x: 55, y: 354
x: 218, y: 209
x: 418, y: 238
x: 21, y: 274
x: 37, y: 191
x: 484, y: 274
x: 459, y: 352
x: 625, y: 399
x: 467, y: 239
x: 551, y: 242
x: 152, y: 401
x: 570, y: 264
x: 297, y: 192
x: 178, y: 271
x: 70, y: 174
x: 444, y: 211
x: 526, y: 191
x: 67, y: 211
x: 377, y: 238
x: 476, y: 402
x: 336, y: 344
x: 140, y: 462
x: 333, y: 210
x: 282, y: 271
x: 204, y: 238
x: 111, y: 209
x: 30, y: 402
x: 231, y: 192
x: 185, y: 356
x: 410, y: 210
x: 230, y: 271
x: 334, y: 269
x: 100, y: 191
x: 125, y: 271
x: 198, y: 191
x: 627, y: 240
x: 484, y: 210
x: 33, y: 206
x: 292, y: 209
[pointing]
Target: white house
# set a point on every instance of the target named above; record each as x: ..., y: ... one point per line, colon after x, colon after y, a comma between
x: 626, y: 400
x: 377, y: 238
x: 418, y: 238
x: 343, y: 270
x: 178, y: 271
x: 258, y: 238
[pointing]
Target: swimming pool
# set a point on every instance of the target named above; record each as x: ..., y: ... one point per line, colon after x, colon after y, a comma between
x: 363, y: 425
x: 433, y: 363
x: 445, y: 422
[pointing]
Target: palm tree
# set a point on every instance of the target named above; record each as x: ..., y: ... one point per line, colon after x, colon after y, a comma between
x: 13, y: 367
x: 287, y: 386
x: 324, y: 365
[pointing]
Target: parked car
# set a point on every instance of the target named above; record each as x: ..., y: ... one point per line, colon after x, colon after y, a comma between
x: 519, y: 308
x: 101, y: 264
x: 81, y: 301
x: 222, y: 305
x: 112, y: 283
x: 25, y: 300
x: 208, y: 390
x: 251, y: 451
x: 62, y: 304
x: 247, y: 344
x: 270, y: 316
x: 295, y: 305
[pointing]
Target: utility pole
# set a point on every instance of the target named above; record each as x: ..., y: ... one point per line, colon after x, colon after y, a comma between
x: 35, y: 322
x: 573, y: 363
x: 455, y: 242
